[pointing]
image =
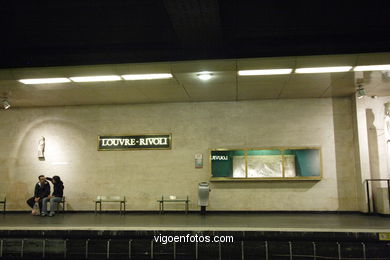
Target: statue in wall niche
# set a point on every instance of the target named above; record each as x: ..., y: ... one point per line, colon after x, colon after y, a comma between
x: 41, y: 147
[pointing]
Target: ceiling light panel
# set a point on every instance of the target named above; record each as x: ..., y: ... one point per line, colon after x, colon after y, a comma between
x: 96, y: 78
x: 147, y: 76
x: 44, y: 81
x: 372, y: 67
x: 264, y: 72
x: 323, y: 69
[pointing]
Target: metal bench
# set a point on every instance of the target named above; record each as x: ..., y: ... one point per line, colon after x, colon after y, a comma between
x: 121, y: 199
x: 3, y: 200
x: 172, y: 199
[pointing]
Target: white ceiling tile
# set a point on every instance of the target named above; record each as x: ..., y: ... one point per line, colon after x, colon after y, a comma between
x: 266, y: 63
x: 326, y: 61
x: 203, y: 65
x: 215, y: 92
x: 218, y: 77
x: 373, y: 59
x: 165, y: 94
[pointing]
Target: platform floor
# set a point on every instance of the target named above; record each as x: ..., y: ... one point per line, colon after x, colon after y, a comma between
x: 299, y: 222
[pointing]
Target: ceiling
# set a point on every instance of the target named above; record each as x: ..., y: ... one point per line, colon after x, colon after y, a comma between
x: 68, y: 33
x: 185, y: 86
x: 92, y: 37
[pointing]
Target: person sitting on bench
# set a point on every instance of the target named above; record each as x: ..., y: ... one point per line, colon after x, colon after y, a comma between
x: 55, y: 198
x: 41, y: 191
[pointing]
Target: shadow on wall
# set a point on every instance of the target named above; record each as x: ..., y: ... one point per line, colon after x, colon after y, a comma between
x: 21, y: 186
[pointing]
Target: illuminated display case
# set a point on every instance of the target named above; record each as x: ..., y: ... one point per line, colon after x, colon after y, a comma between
x: 263, y: 164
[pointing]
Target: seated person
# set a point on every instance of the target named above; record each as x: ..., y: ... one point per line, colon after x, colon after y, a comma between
x: 41, y: 191
x: 55, y: 197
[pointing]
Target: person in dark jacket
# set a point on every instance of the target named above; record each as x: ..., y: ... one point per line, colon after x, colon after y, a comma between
x: 41, y: 191
x: 55, y: 198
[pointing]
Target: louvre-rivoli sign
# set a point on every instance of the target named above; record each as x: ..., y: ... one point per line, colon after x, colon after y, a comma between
x: 134, y: 142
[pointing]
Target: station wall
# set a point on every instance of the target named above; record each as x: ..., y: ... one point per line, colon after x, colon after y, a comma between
x: 143, y: 176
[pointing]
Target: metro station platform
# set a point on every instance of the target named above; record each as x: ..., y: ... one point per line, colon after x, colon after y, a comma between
x: 110, y: 235
x: 296, y: 222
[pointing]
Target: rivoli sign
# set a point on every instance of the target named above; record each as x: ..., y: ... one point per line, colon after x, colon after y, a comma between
x: 134, y: 142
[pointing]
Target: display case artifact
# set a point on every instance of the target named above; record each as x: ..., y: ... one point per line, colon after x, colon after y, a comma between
x: 261, y: 164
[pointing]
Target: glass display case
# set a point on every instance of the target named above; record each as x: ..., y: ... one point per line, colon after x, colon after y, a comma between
x: 266, y: 164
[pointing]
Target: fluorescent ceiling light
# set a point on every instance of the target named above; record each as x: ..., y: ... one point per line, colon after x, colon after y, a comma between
x: 323, y: 69
x: 96, y: 78
x: 44, y: 80
x: 372, y: 67
x: 264, y: 72
x: 147, y: 76
x: 204, y: 75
